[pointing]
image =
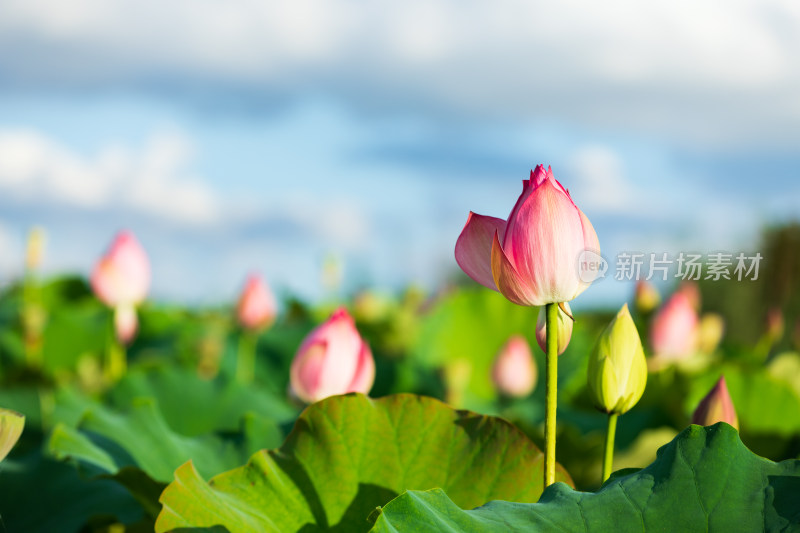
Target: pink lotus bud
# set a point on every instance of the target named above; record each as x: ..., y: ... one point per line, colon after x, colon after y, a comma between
x: 564, y: 329
x: 647, y: 297
x: 692, y: 291
x: 333, y: 359
x: 122, y: 276
x: 257, y: 307
x: 673, y: 333
x: 717, y: 406
x: 514, y: 369
x: 125, y: 323
x: 533, y: 258
x: 775, y: 324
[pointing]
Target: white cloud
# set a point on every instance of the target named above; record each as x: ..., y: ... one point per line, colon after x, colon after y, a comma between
x: 602, y: 184
x: 600, y: 180
x: 716, y: 72
x: 153, y: 180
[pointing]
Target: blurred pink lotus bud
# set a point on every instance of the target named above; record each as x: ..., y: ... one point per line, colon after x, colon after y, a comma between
x: 122, y: 276
x: 534, y: 257
x: 692, y: 292
x: 775, y: 324
x: 333, y: 359
x: 125, y: 323
x: 257, y: 307
x: 673, y: 333
x: 647, y: 297
x: 717, y: 406
x: 564, y: 329
x: 514, y: 370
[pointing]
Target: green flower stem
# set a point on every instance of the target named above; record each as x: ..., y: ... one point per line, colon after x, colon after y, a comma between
x: 117, y: 360
x: 551, y: 392
x: 116, y: 357
x: 32, y: 320
x: 608, y: 456
x: 246, y: 358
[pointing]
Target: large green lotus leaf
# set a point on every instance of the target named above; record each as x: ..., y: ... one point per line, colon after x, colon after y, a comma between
x: 349, y: 454
x: 194, y: 406
x: 150, y: 444
x: 704, y: 480
x: 43, y: 407
x: 11, y: 424
x: 38, y: 493
x: 68, y: 442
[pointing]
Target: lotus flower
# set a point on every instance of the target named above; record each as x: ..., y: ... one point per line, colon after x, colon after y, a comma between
x: 564, y: 329
x: 617, y: 372
x: 673, y: 333
x: 257, y: 308
x: 514, y: 369
x: 121, y: 279
x: 717, y: 406
x: 533, y: 257
x: 333, y: 359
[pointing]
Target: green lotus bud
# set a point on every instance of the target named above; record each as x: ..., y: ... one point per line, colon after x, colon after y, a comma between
x: 11, y: 424
x: 617, y: 367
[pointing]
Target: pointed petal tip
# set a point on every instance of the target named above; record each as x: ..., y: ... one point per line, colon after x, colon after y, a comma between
x: 564, y: 306
x: 538, y: 175
x: 340, y: 314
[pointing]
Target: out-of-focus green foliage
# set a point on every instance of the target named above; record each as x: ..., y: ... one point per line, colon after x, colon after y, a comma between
x: 117, y: 443
x: 745, y: 305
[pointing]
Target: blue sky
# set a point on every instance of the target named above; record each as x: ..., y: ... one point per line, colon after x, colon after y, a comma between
x: 266, y: 136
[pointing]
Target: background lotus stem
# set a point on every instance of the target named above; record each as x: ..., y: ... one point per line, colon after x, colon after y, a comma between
x: 117, y: 361
x: 32, y: 320
x: 551, y: 392
x: 117, y: 357
x: 246, y: 357
x: 608, y: 455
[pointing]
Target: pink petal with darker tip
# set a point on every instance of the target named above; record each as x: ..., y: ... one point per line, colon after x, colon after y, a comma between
x: 474, y: 247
